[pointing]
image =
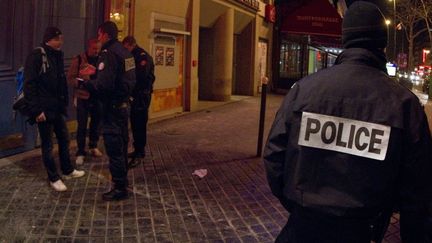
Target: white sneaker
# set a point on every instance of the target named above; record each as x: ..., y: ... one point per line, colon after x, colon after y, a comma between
x: 58, y: 186
x: 80, y: 159
x: 74, y: 174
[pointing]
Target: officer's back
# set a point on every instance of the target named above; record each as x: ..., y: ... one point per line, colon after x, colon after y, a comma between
x: 116, y: 67
x: 348, y: 143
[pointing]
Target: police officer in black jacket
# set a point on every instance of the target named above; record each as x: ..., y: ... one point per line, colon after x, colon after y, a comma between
x: 114, y: 83
x: 349, y: 144
x: 141, y: 97
x: 46, y: 92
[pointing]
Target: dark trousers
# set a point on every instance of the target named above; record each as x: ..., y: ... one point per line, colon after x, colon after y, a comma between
x: 116, y: 137
x: 139, y: 119
x: 57, y: 125
x: 311, y: 227
x: 84, y: 109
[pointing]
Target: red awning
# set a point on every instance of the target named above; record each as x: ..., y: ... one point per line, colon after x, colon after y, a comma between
x: 315, y: 17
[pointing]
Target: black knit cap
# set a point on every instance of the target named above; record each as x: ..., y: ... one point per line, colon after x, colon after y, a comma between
x: 364, y: 26
x: 51, y: 33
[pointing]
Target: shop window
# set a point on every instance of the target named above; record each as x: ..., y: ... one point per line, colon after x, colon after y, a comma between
x: 290, y: 60
x: 120, y: 13
x: 317, y: 60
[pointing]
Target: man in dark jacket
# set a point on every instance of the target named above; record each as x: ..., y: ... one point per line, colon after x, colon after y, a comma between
x: 114, y: 84
x: 141, y: 97
x: 46, y: 92
x: 348, y: 145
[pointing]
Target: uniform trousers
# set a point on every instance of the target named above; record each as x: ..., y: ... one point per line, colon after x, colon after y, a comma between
x: 116, y: 137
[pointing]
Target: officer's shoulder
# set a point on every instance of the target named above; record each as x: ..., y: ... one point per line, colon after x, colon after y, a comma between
x: 140, y: 51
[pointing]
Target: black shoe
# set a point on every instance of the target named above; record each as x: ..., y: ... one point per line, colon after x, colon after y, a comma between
x: 115, y: 195
x: 135, y: 161
x: 135, y: 155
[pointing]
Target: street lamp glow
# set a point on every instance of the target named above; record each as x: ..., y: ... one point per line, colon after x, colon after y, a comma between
x: 387, y: 22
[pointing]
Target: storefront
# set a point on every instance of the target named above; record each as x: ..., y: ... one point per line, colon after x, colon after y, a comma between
x: 308, y: 40
x: 203, y: 49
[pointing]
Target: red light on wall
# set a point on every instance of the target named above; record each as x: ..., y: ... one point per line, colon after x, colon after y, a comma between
x: 270, y: 13
x: 425, y: 53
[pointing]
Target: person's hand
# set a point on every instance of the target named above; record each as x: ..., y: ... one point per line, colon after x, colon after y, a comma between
x: 88, y: 70
x: 41, y: 117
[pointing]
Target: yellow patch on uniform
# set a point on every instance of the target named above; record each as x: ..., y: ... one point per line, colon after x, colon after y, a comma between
x: 129, y: 64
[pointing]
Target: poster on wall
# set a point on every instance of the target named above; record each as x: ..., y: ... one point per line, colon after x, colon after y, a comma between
x: 159, y: 56
x: 169, y: 61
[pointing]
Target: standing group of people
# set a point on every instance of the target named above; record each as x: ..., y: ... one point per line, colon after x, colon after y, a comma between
x: 112, y: 82
x: 340, y: 160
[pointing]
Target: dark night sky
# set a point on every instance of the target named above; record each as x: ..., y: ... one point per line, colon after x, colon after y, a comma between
x: 384, y: 5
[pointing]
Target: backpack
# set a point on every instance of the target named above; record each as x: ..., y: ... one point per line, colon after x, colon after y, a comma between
x: 20, y: 104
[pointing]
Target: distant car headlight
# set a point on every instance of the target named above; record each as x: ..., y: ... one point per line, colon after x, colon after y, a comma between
x: 405, y: 75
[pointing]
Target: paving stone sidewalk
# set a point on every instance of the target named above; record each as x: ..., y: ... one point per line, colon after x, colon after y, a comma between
x: 168, y: 204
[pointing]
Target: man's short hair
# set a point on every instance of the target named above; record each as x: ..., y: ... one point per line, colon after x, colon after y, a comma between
x: 109, y: 28
x: 92, y: 41
x: 130, y: 40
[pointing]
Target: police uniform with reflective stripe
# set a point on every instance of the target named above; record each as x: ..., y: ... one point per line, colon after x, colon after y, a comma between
x: 114, y: 83
x: 349, y: 143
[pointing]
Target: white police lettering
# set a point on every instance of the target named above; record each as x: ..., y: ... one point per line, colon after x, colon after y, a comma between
x: 359, y: 138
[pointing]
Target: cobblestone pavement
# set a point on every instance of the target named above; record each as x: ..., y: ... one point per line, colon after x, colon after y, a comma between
x: 168, y: 204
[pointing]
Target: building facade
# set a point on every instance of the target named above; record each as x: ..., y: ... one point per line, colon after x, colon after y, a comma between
x: 204, y: 50
x: 307, y: 38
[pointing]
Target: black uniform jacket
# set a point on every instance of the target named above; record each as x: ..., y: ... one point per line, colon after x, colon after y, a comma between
x: 115, y: 73
x: 144, y: 71
x: 46, y: 92
x: 349, y: 141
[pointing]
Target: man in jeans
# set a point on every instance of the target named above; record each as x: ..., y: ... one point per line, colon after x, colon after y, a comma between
x: 85, y: 100
x: 46, y: 92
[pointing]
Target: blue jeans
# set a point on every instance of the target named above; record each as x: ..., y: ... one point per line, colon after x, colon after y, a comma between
x: 84, y: 109
x: 57, y: 125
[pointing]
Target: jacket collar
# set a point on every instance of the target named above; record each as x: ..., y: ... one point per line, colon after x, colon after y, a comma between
x: 49, y: 50
x: 373, y: 58
x: 108, y: 43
